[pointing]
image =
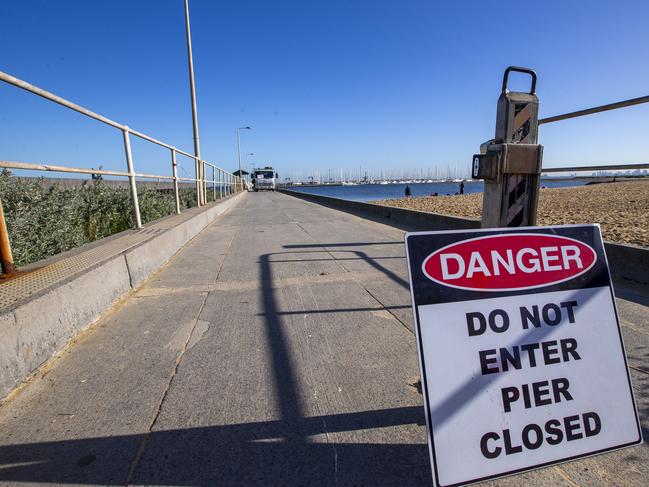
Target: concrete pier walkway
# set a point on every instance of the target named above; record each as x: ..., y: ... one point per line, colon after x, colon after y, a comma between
x: 275, y: 349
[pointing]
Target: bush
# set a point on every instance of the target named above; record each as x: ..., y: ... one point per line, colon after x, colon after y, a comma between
x: 45, y: 221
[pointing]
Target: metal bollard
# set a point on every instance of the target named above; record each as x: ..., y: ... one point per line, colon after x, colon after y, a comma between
x: 131, y: 177
x: 510, y: 164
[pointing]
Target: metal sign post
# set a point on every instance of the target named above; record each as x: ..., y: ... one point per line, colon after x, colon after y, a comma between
x: 510, y: 164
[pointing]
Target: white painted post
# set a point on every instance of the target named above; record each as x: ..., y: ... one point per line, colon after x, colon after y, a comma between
x: 131, y: 177
x: 175, y: 175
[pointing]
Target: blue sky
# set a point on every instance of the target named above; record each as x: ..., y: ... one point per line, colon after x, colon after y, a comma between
x: 325, y: 85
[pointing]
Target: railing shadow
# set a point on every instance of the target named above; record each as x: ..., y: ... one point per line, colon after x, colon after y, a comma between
x: 285, y: 451
x: 277, y: 452
x: 262, y: 453
x: 360, y: 255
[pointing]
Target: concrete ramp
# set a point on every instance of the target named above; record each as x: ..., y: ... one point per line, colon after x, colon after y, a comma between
x: 275, y: 349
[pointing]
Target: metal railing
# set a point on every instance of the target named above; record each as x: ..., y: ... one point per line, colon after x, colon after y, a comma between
x: 228, y: 182
x: 591, y: 111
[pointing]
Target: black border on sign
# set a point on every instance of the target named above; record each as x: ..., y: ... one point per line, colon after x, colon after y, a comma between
x: 429, y: 427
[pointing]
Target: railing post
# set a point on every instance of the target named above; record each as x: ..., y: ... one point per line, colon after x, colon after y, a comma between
x: 204, y: 183
x: 203, y: 195
x: 220, y: 183
x: 6, y: 257
x: 214, y: 182
x: 131, y: 177
x: 175, y: 174
x: 198, y: 183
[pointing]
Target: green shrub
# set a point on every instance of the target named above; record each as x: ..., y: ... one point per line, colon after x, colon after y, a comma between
x: 45, y: 221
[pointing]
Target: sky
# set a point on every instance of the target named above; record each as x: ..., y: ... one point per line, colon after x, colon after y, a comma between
x: 353, y: 85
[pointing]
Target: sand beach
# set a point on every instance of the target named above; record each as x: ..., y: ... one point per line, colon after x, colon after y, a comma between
x: 621, y: 208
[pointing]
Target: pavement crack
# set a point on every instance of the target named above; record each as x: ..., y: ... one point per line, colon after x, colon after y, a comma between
x: 163, y: 397
x: 637, y: 369
x: 316, y: 399
x: 174, y: 371
x: 385, y: 307
x: 227, y: 252
x: 565, y: 476
x: 128, y: 271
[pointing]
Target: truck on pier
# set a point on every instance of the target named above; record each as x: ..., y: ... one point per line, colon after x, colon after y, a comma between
x: 264, y: 179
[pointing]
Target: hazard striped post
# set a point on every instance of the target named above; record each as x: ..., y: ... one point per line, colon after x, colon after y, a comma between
x: 510, y: 164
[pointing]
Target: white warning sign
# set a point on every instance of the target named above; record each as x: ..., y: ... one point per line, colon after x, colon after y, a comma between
x: 520, y: 348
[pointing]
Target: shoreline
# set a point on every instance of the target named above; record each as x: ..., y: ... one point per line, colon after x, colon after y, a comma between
x: 620, y: 207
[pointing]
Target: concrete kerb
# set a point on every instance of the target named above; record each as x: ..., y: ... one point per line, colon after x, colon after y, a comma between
x: 38, y: 329
x: 627, y: 262
x: 409, y: 220
x: 145, y: 259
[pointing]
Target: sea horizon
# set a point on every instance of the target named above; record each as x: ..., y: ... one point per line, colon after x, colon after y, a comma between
x: 383, y: 191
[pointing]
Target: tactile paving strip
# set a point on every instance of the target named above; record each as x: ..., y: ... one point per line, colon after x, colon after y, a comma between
x: 22, y: 287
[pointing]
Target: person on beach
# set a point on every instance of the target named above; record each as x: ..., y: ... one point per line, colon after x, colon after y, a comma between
x: 461, y: 187
x: 408, y: 192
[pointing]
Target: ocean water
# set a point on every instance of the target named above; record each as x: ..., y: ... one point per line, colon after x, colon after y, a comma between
x: 369, y: 192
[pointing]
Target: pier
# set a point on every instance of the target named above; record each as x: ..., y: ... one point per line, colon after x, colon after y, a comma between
x: 275, y: 348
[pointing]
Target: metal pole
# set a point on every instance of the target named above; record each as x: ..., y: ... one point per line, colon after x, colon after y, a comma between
x: 608, y: 167
x: 198, y: 183
x: 590, y: 111
x: 239, y: 148
x: 220, y: 184
x: 175, y: 173
x: 204, y: 181
x: 214, y: 182
x: 197, y: 145
x: 131, y: 178
x: 6, y: 257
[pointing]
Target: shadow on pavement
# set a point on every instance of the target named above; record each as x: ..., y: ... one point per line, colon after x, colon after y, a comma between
x: 264, y: 453
x: 280, y: 452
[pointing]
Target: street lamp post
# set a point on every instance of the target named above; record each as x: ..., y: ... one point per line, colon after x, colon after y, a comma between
x: 247, y: 164
x: 197, y: 145
x: 239, y: 147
